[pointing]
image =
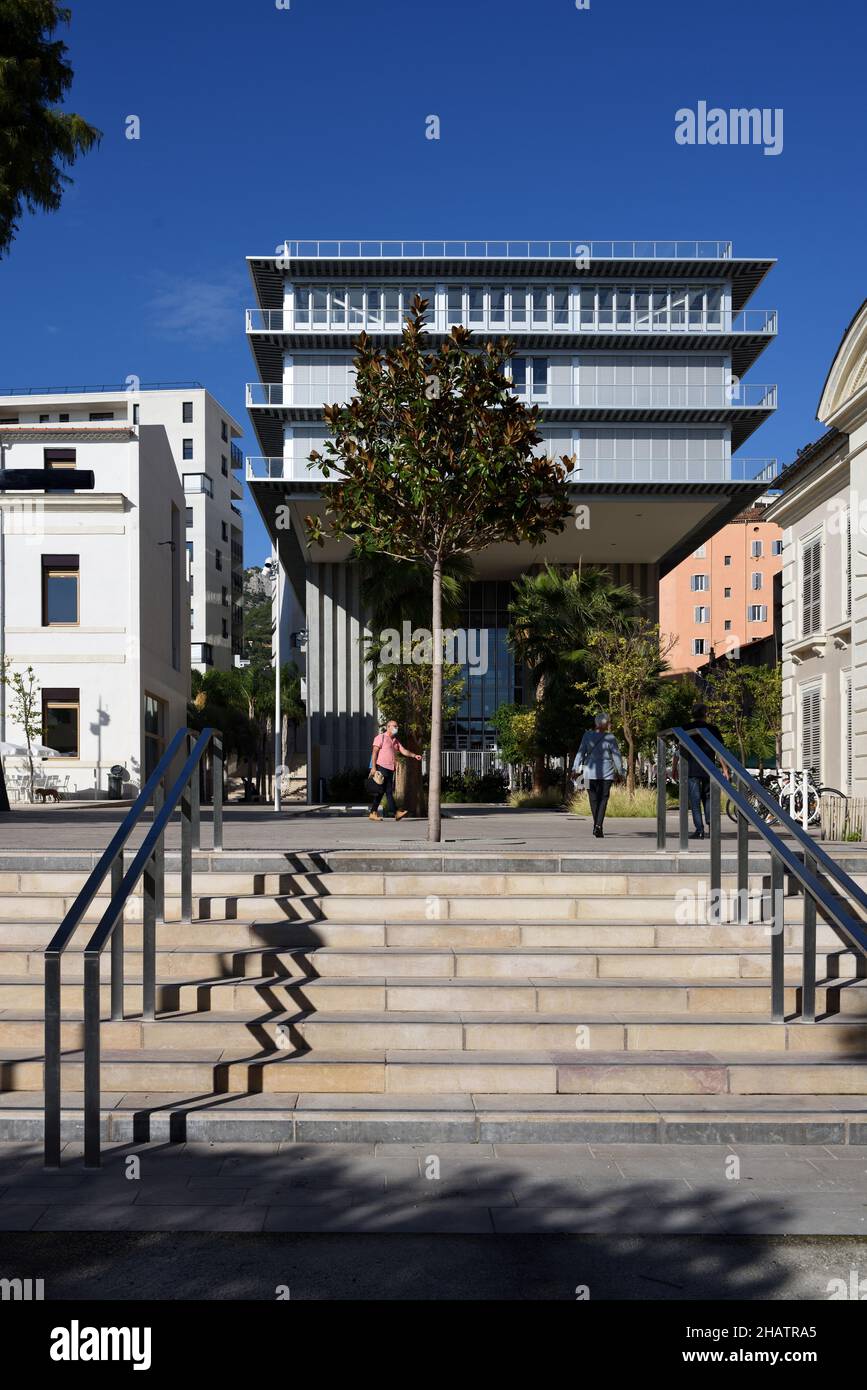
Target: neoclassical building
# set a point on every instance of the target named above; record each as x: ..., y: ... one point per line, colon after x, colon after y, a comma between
x: 822, y: 512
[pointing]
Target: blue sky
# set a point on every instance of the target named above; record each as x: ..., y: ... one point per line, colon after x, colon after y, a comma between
x: 259, y: 124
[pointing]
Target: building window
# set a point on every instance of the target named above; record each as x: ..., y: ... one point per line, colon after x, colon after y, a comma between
x: 224, y: 465
x: 699, y: 583
x: 101, y: 415
x: 175, y: 553
x: 756, y: 550
x: 43, y: 419
x: 187, y: 413
x: 225, y: 597
x: 190, y: 564
x: 776, y: 547
x: 154, y: 731
x: 64, y: 419
x: 811, y: 587
x: 757, y: 613
x: 727, y: 625
x: 702, y: 615
x: 700, y: 553
x: 727, y: 559
x: 188, y: 448
x: 188, y: 516
x: 530, y: 376
x: 757, y: 579
x: 57, y: 460
x: 60, y: 590
x: 218, y: 559
x: 811, y: 728
x: 225, y: 627
x: 224, y: 430
x: 60, y: 719
x: 225, y: 530
x: 698, y: 646
x: 727, y: 593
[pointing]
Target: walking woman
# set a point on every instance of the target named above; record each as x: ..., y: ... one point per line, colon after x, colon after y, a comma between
x: 597, y: 763
x: 382, y: 762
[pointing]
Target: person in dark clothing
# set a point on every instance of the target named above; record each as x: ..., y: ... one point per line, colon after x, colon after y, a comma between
x: 699, y: 781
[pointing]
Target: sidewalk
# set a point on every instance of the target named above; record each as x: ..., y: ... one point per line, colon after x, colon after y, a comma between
x: 485, y: 829
x: 480, y: 1189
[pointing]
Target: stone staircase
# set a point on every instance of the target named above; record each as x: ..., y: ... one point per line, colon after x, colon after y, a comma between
x: 358, y: 997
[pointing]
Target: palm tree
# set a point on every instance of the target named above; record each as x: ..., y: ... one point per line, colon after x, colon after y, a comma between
x: 552, y: 614
x: 394, y: 592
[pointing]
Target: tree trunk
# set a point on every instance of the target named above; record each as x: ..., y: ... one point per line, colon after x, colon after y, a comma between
x: 434, y: 821
x: 32, y: 775
x: 4, y: 798
x: 539, y: 760
x: 630, y: 765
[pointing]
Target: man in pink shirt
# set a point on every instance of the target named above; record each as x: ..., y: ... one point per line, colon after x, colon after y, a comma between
x: 382, y: 758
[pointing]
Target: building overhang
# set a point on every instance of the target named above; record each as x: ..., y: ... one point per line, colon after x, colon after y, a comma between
x: 269, y: 273
x: 626, y: 523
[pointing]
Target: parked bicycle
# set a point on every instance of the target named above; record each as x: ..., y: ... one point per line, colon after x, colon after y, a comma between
x: 790, y: 798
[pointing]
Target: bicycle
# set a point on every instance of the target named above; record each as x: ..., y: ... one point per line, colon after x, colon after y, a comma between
x: 779, y: 786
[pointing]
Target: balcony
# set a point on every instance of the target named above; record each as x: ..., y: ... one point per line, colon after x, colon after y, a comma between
x: 739, y: 396
x: 507, y: 250
x: 596, y: 321
x: 640, y: 470
x: 199, y: 482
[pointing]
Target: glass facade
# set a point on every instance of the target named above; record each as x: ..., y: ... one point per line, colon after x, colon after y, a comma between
x: 491, y: 676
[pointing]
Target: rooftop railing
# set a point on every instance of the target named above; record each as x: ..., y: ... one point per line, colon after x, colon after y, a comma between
x: 115, y: 388
x: 748, y: 321
x: 507, y: 250
x: 739, y: 396
x: 642, y: 470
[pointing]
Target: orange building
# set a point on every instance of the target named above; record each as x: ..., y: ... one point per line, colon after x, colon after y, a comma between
x: 722, y: 596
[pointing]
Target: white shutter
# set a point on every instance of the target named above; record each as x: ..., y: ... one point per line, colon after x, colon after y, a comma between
x: 811, y: 590
x: 811, y: 729
x: 849, y: 734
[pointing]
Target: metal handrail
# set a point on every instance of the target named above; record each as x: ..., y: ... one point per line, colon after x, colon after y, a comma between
x: 783, y: 859
x: 148, y: 861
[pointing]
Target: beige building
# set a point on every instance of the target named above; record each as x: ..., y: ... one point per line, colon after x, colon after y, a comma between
x: 824, y: 598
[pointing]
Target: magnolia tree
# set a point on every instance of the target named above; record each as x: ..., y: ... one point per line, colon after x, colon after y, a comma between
x: 433, y: 459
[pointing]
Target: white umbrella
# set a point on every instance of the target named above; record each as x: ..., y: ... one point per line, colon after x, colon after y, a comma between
x: 42, y: 752
x: 13, y: 750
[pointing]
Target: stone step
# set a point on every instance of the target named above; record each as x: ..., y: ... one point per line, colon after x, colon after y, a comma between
x: 402, y: 1072
x: 382, y: 1031
x: 238, y: 935
x: 476, y: 1118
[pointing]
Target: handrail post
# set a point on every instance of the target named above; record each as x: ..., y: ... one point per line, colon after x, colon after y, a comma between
x: 92, y: 1157
x: 217, y: 745
x: 715, y: 852
x: 743, y: 867
x: 683, y: 798
x: 808, y: 997
x: 51, y: 1066
x: 187, y: 852
x: 149, y: 938
x: 196, y: 804
x: 159, y: 858
x: 778, y: 942
x: 117, y: 944
x: 661, y: 829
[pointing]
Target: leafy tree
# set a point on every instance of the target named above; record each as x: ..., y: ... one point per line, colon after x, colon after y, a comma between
x: 435, y: 458
x: 629, y: 666
x: 552, y: 615
x: 515, y: 727
x: 745, y: 702
x: 395, y: 592
x: 25, y: 710
x: 37, y: 138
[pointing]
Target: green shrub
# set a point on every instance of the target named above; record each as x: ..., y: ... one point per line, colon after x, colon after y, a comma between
x: 476, y: 787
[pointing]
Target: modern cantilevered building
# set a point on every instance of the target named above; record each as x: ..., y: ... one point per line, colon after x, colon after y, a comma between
x: 636, y: 354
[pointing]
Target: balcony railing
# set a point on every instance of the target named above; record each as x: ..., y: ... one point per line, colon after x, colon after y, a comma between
x: 199, y: 482
x: 740, y: 396
x: 602, y: 321
x: 508, y: 250
x: 640, y: 470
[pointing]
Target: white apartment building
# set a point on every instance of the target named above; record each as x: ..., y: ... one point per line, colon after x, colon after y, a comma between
x: 823, y: 510
x: 99, y: 646
x: 635, y: 354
